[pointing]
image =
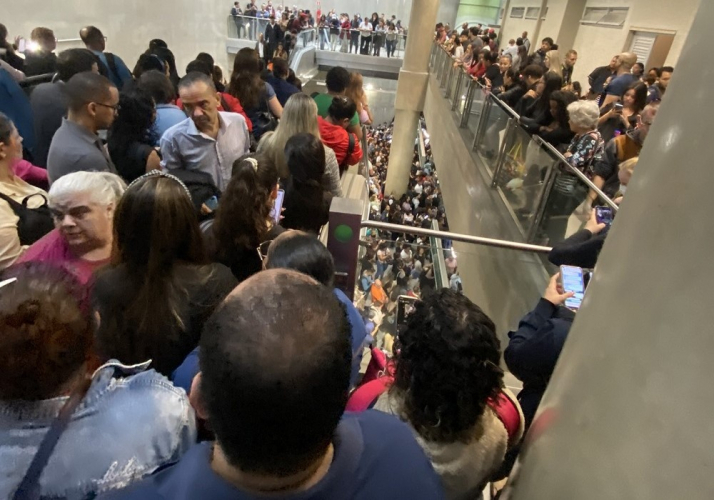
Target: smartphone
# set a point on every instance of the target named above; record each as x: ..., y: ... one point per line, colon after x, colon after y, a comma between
x: 21, y: 45
x: 405, y: 306
x: 211, y: 203
x: 618, y: 107
x: 604, y: 215
x: 278, y: 206
x: 571, y: 278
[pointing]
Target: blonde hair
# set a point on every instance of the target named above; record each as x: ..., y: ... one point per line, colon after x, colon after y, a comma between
x: 556, y: 65
x: 355, y: 90
x: 626, y: 169
x: 299, y: 115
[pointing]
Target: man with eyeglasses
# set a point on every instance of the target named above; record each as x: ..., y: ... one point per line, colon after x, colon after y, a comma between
x: 92, y: 104
x: 112, y: 65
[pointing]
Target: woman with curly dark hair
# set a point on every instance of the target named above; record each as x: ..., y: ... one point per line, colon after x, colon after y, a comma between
x: 446, y: 377
x: 243, y: 227
x: 132, y: 136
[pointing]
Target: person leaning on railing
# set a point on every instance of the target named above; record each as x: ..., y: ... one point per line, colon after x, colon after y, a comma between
x: 570, y: 195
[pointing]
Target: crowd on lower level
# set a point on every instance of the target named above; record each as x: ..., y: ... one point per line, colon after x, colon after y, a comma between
x: 171, y: 330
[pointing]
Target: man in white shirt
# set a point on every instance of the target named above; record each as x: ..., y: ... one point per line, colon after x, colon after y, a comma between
x: 365, y: 30
x: 512, y: 49
x: 208, y: 141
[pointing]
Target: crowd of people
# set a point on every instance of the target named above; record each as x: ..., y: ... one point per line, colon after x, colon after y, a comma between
x: 171, y: 325
x: 277, y: 27
x: 595, y: 131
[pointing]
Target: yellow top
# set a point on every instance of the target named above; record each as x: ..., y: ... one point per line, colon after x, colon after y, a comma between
x: 18, y: 190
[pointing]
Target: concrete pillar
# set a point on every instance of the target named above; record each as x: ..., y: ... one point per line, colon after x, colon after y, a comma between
x: 569, y: 25
x: 411, y: 92
x: 628, y: 412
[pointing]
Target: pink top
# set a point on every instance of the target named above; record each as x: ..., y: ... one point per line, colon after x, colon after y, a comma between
x: 53, y: 248
x: 31, y: 174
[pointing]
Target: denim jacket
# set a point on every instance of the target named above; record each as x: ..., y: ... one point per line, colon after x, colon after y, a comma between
x: 130, y: 423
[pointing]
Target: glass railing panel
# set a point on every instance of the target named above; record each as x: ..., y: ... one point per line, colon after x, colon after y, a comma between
x: 566, y: 206
x: 246, y: 28
x: 461, y: 95
x: 478, y: 97
x: 492, y: 134
x: 523, y: 178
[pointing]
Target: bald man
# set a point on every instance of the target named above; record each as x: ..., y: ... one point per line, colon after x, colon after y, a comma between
x: 112, y: 65
x: 622, y: 80
x: 275, y: 368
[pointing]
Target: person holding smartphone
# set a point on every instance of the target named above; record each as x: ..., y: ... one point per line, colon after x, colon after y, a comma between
x: 534, y: 348
x: 620, y: 117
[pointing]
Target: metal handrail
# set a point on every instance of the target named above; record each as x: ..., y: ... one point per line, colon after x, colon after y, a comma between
x: 577, y: 173
x: 475, y: 240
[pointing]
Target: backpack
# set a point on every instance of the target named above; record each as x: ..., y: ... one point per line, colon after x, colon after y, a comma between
x: 112, y: 64
x: 34, y: 223
x: 201, y: 187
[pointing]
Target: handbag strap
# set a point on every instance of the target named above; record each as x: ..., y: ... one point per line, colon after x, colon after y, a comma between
x: 29, y: 487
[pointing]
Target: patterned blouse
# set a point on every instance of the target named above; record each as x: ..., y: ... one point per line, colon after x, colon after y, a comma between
x: 583, y: 148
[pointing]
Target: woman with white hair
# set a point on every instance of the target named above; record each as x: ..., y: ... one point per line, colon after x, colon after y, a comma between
x: 570, y: 195
x: 82, y: 206
x: 299, y: 115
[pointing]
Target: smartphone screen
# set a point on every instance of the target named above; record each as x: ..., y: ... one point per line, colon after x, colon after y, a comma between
x: 405, y: 306
x: 603, y: 215
x: 277, y: 206
x: 211, y: 203
x: 572, y: 279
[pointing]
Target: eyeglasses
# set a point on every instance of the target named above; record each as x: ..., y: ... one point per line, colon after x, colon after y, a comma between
x: 116, y: 107
x: 263, y: 251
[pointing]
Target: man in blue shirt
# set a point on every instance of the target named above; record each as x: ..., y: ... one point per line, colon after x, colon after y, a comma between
x: 275, y: 368
x: 207, y: 141
x: 115, y: 68
x: 623, y: 78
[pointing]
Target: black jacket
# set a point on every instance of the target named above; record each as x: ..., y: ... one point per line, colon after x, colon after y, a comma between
x: 581, y: 249
x: 534, y: 349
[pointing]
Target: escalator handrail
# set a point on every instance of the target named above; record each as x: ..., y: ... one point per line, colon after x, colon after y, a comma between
x: 475, y: 240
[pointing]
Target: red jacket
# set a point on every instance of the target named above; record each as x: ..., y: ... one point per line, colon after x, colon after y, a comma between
x: 233, y: 105
x: 337, y: 138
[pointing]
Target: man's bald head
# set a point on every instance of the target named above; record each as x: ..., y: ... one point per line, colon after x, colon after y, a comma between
x: 275, y: 363
x: 93, y: 38
x: 627, y: 60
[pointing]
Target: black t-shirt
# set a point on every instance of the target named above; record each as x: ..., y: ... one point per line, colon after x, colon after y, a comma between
x: 130, y: 161
x: 40, y: 64
x: 307, y: 209
x: 199, y: 289
x: 243, y: 262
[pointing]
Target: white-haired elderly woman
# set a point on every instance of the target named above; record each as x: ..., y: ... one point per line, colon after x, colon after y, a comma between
x: 571, y: 195
x: 82, y: 206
